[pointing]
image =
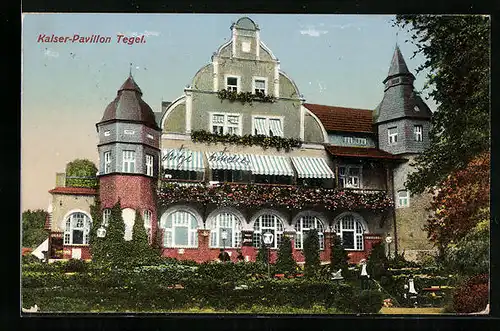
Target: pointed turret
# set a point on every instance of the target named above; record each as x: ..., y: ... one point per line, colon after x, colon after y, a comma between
x: 402, y: 117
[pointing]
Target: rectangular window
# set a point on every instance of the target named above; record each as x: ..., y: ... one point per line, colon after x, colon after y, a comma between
x: 393, y: 135
x: 107, y: 162
x: 226, y: 124
x: 273, y: 179
x: 232, y: 83
x: 354, y: 140
x: 350, y: 176
x: 182, y: 174
x: 149, y: 165
x: 271, y: 127
x: 228, y: 176
x: 417, y: 131
x: 128, y: 161
x: 259, y: 86
x: 348, y: 140
x: 403, y: 200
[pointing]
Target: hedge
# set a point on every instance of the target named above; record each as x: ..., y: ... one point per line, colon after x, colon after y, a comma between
x: 171, y: 287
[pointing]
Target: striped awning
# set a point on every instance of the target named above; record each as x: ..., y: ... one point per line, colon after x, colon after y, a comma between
x: 182, y: 159
x: 270, y: 165
x: 275, y: 127
x: 260, y: 126
x: 226, y: 161
x: 312, y: 167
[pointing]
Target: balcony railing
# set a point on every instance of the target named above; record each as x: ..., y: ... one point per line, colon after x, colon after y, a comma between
x: 266, y: 195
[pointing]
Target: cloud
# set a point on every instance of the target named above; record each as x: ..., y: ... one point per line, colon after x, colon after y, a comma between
x: 145, y: 33
x: 313, y: 32
x: 50, y: 53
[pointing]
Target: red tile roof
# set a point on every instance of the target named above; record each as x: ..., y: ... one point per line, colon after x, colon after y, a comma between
x: 26, y: 250
x: 372, y: 153
x: 343, y: 119
x: 74, y: 190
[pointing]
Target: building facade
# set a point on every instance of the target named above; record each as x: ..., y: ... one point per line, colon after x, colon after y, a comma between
x: 240, y: 154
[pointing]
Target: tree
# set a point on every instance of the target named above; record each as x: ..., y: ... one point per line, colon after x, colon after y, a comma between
x: 462, y: 200
x: 471, y: 255
x: 115, y: 246
x: 377, y: 262
x: 262, y: 253
x: 457, y: 52
x: 285, y: 262
x: 33, y: 225
x: 311, y: 253
x: 141, y: 251
x: 84, y: 170
x: 97, y: 245
x: 338, y: 257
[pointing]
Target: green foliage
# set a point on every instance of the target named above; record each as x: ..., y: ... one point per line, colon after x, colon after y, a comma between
x: 33, y: 228
x: 338, y: 257
x: 470, y: 256
x: 399, y: 261
x: 265, y: 142
x: 244, y: 97
x: 81, y: 173
x: 457, y: 53
x: 74, y: 265
x: 96, y: 244
x: 114, y: 242
x: 285, y: 262
x: 311, y: 254
x: 377, y: 262
x: 262, y: 253
x: 141, y: 251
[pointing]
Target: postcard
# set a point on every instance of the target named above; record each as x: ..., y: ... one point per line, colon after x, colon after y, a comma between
x: 254, y: 164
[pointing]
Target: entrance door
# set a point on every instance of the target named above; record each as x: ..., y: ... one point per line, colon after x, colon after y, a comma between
x: 56, y: 248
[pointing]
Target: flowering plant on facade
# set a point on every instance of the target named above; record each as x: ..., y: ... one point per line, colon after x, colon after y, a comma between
x: 265, y: 142
x: 291, y: 197
x: 244, y: 97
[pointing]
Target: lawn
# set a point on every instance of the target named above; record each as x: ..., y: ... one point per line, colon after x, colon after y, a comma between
x: 411, y: 311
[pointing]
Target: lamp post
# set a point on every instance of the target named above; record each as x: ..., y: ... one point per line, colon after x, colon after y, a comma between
x: 224, y: 238
x: 388, y: 240
x: 268, y: 240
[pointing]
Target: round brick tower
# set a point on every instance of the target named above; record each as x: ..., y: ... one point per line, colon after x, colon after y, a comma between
x: 129, y: 157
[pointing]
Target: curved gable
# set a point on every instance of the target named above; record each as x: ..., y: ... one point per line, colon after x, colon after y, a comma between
x: 202, y: 80
x: 173, y: 120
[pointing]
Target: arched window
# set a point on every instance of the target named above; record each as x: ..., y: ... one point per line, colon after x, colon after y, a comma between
x: 148, y: 216
x: 267, y: 223
x: 305, y: 224
x: 350, y: 231
x: 180, y: 229
x: 229, y: 223
x: 77, y: 229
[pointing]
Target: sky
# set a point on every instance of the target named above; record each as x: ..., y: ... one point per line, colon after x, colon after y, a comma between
x: 336, y: 60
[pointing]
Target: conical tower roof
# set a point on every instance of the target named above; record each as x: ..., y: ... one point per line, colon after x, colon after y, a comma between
x: 400, y: 100
x: 128, y: 106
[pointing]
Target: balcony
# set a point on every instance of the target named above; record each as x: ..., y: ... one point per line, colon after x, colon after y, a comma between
x: 265, y: 195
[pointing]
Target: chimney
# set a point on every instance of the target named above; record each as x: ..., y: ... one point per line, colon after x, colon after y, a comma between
x: 60, y: 179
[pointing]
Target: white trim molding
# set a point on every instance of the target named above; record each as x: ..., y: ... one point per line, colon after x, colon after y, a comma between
x: 62, y: 222
x: 245, y: 226
x: 175, y: 136
x: 291, y: 81
x: 225, y: 124
x: 185, y: 208
x: 302, y: 122
x: 325, y: 134
x: 277, y: 79
x: 257, y: 44
x: 286, y: 227
x: 215, y: 66
x: 313, y: 213
x: 356, y: 216
x: 233, y: 53
x: 267, y: 49
x: 171, y: 107
x: 189, y: 110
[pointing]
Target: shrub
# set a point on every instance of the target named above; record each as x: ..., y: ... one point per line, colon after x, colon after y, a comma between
x: 285, y: 262
x: 311, y: 254
x: 74, y: 265
x: 472, y: 296
x: 338, y: 257
x: 377, y: 262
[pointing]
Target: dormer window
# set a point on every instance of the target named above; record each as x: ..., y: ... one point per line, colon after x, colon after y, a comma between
x: 392, y: 135
x: 232, y: 83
